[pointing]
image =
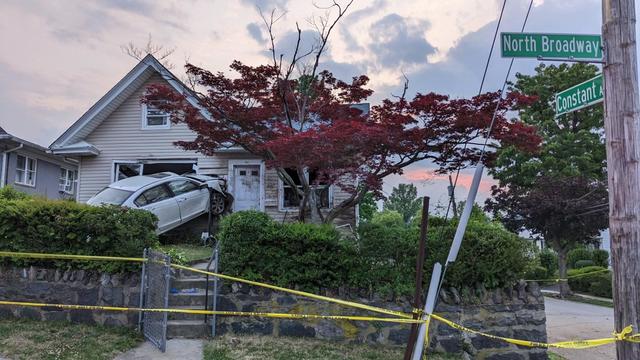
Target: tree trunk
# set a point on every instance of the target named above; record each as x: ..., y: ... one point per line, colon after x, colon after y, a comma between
x: 622, y: 129
x: 562, y: 272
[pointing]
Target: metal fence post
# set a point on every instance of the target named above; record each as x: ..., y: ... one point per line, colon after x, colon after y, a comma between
x: 215, y: 289
x: 167, y: 279
x: 142, y: 289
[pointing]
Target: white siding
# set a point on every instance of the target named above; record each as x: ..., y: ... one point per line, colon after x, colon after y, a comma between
x: 120, y: 137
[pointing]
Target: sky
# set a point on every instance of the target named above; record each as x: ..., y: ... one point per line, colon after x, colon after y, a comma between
x: 59, y: 57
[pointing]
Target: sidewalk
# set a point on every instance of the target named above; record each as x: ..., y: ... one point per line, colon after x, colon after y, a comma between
x: 176, y: 349
x: 591, y: 297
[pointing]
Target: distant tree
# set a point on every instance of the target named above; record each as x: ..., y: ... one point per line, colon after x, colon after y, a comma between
x: 559, y: 192
x: 404, y: 199
x: 158, y: 51
x: 388, y: 218
x: 556, y: 209
x: 368, y: 207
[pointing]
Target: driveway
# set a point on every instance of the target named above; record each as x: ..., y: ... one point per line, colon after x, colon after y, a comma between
x: 568, y: 320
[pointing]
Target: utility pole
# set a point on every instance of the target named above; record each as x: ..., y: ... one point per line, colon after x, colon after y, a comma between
x: 622, y: 127
x: 417, y: 299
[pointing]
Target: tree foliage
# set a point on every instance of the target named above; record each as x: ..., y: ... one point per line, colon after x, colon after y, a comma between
x: 404, y: 199
x: 297, y: 116
x: 368, y: 207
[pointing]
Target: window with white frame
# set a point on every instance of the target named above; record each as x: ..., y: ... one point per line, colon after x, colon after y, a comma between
x: 289, y: 196
x: 67, y: 182
x: 153, y: 117
x: 26, y: 171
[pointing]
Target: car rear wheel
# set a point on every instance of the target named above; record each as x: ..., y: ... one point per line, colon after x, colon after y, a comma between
x: 217, y: 203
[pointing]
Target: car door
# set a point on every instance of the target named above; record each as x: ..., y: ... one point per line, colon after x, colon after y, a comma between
x: 191, y: 197
x: 160, y: 201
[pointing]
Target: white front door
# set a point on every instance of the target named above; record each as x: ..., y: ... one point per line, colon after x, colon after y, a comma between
x: 246, y: 187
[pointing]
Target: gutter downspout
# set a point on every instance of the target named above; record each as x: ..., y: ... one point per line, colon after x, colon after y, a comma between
x: 5, y: 164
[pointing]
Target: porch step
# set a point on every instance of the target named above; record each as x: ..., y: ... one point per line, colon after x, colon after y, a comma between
x: 186, y: 316
x: 194, y: 299
x: 191, y: 283
x: 188, y: 329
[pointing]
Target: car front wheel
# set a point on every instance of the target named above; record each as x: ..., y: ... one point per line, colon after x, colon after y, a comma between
x: 217, y: 203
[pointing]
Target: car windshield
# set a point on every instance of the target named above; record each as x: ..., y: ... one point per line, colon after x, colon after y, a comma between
x: 111, y: 196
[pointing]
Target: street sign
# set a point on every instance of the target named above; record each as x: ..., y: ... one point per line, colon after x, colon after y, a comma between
x: 531, y: 45
x: 580, y: 96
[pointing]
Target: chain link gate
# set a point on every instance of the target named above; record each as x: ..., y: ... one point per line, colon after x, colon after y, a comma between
x: 154, y: 294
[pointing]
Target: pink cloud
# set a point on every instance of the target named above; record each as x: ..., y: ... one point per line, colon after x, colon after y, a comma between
x: 464, y: 179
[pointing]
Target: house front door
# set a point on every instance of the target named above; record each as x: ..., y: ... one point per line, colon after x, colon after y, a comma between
x: 246, y: 187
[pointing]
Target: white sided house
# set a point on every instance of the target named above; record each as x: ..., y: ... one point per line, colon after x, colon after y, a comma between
x: 120, y: 137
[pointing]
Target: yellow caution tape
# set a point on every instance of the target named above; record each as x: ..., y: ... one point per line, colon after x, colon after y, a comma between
x: 221, y: 276
x: 212, y: 312
x: 570, y: 276
x: 68, y: 257
x: 300, y: 293
x: 404, y: 318
x: 575, y: 344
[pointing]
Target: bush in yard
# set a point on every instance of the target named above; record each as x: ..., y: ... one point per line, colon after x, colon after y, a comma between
x: 10, y: 193
x: 64, y: 227
x: 305, y: 256
x: 388, y: 218
x: 381, y: 261
x: 577, y: 254
x: 597, y: 284
x: 583, y: 263
x: 600, y: 258
x: 549, y: 260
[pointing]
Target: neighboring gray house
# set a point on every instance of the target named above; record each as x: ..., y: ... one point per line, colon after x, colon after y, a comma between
x: 29, y: 168
x: 120, y: 137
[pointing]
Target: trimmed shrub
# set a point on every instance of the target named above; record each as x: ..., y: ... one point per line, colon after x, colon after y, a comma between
x: 381, y: 261
x: 298, y: 255
x: 583, y: 263
x: 598, y: 284
x: 536, y: 272
x: 549, y: 260
x: 575, y: 255
x: 64, y: 227
x: 9, y: 193
x: 388, y: 218
x: 600, y: 258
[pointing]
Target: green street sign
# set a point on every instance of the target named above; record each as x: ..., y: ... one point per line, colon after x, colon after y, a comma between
x: 580, y: 96
x: 530, y: 45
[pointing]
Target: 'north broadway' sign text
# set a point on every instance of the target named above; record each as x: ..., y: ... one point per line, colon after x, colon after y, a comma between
x: 551, y: 45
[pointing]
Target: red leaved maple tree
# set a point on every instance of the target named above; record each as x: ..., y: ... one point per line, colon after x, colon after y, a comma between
x: 308, y: 122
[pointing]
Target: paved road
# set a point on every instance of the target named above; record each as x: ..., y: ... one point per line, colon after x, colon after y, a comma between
x: 568, y: 320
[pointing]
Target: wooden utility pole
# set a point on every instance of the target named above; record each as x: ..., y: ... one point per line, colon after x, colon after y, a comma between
x: 417, y: 299
x: 622, y: 127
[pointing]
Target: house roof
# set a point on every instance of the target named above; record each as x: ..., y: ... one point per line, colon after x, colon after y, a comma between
x: 2, y: 132
x: 72, y: 140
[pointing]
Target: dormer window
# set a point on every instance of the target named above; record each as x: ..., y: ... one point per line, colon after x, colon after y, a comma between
x: 153, y: 117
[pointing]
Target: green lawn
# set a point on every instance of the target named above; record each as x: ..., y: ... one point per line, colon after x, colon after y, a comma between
x: 190, y: 253
x: 283, y: 348
x: 554, y: 356
x: 40, y: 340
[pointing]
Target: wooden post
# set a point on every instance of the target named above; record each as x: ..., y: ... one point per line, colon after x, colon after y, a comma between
x: 417, y: 299
x: 622, y: 127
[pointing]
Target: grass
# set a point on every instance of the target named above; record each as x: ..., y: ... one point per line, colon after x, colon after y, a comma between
x: 192, y: 253
x: 283, y: 348
x: 40, y: 340
x: 554, y: 356
x: 585, y: 300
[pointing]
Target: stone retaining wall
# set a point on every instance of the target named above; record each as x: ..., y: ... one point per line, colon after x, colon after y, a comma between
x: 514, y: 312
x: 70, y: 287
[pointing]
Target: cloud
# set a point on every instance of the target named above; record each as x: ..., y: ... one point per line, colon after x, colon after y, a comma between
x: 398, y: 40
x: 267, y: 5
x: 255, y: 30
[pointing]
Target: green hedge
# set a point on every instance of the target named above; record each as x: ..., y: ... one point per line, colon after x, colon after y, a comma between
x: 65, y: 227
x: 382, y: 260
x: 305, y: 256
x: 598, y: 284
x: 580, y: 257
